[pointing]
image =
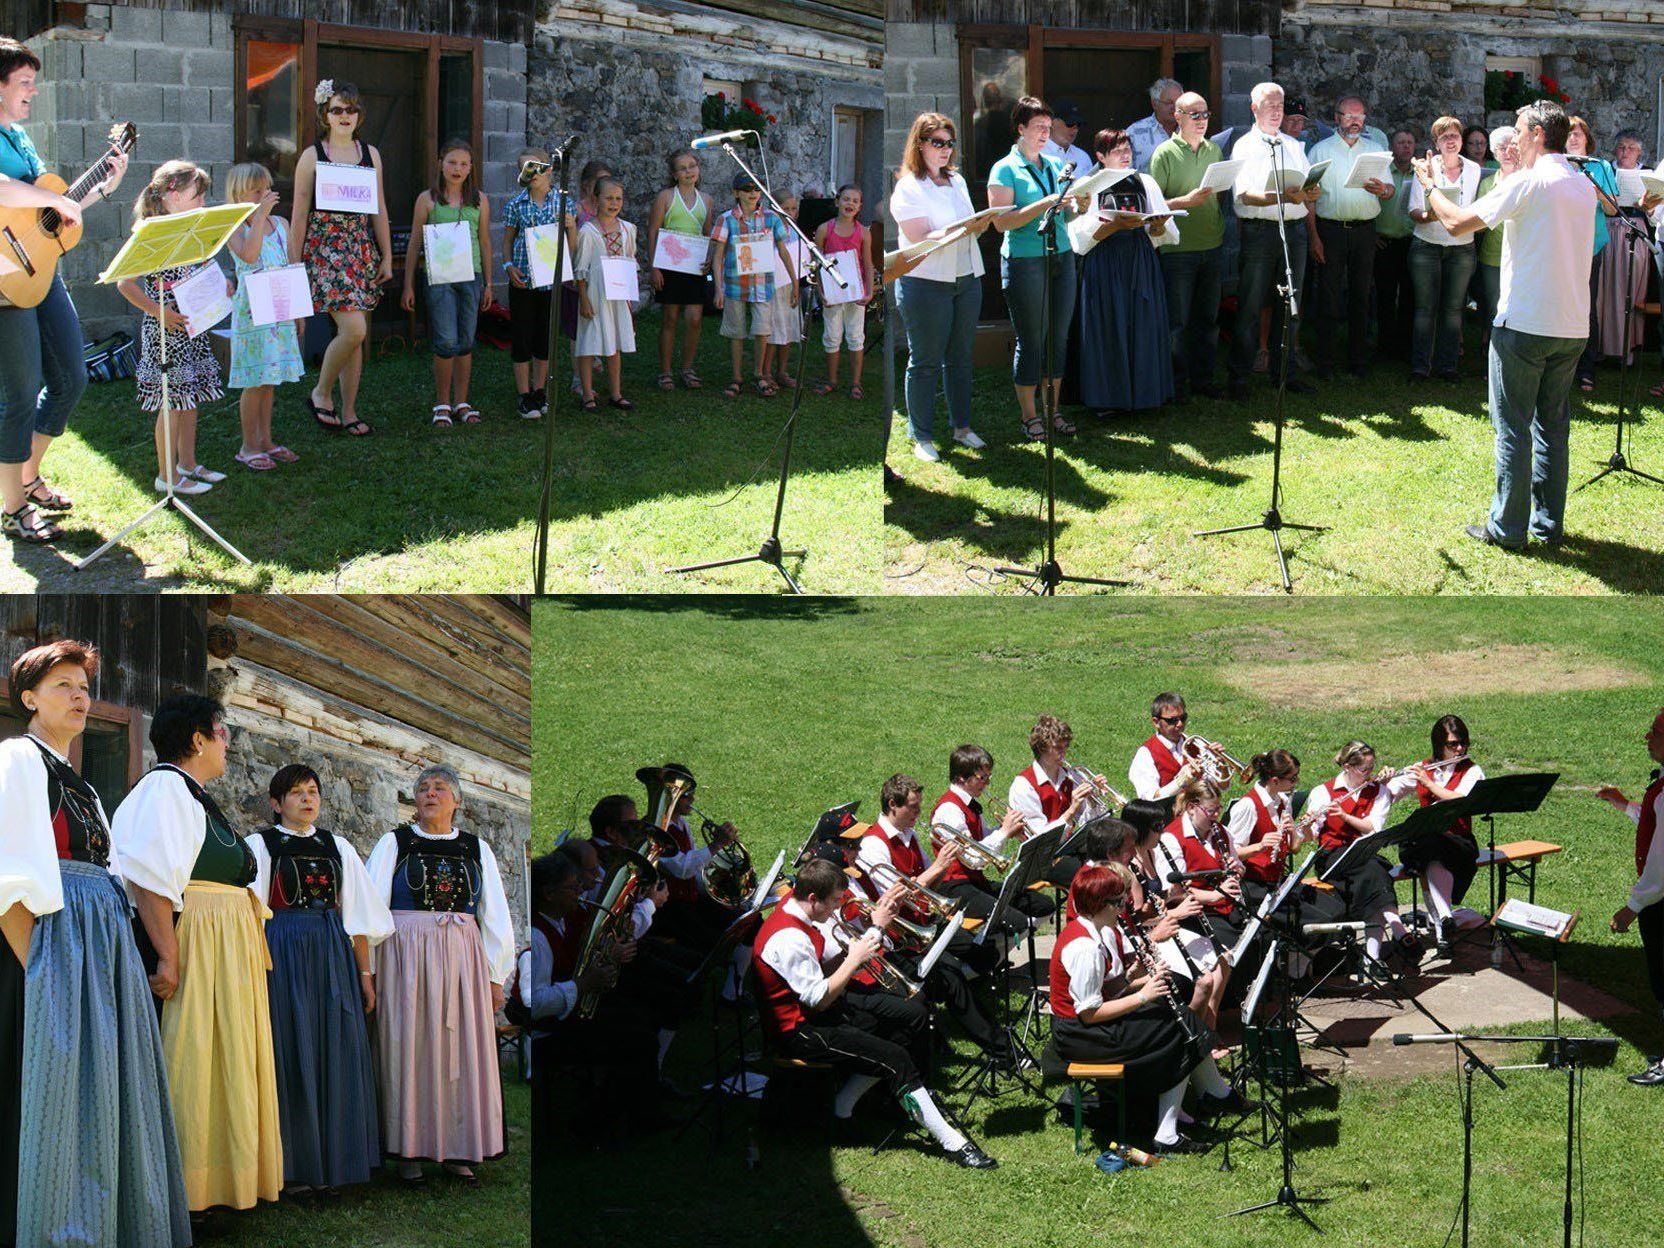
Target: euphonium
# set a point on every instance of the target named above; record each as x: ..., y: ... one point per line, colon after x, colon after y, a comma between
x: 886, y: 876
x: 613, y: 914
x: 883, y: 970
x: 972, y: 853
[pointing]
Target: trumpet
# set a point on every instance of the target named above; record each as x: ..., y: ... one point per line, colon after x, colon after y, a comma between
x: 919, y: 934
x: 885, y: 876
x: 1093, y: 786
x: 883, y: 970
x: 1218, y: 767
x: 972, y: 853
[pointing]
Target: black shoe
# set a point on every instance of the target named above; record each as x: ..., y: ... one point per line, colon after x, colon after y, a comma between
x: 1480, y: 533
x: 1238, y: 389
x: 973, y: 1158
x: 1208, y: 391
x: 1451, y: 376
x: 1234, y: 1103
x: 1410, y: 949
x: 1651, y: 1077
x: 1416, y: 376
x: 1183, y: 1146
x: 1299, y: 385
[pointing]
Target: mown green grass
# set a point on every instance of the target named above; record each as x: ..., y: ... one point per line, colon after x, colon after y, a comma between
x: 385, y: 1215
x: 1394, y: 470
x: 783, y: 709
x: 419, y: 510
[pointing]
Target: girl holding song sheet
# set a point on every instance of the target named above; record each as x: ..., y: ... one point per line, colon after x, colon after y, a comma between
x: 529, y: 304
x: 684, y: 210
x: 450, y: 232
x: 263, y: 357
x: 606, y: 324
x: 193, y: 372
x: 846, y: 319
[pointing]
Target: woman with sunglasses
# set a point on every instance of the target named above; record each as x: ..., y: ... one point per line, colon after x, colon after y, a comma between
x: 1448, y: 860
x: 348, y: 255
x: 202, y: 935
x: 941, y: 298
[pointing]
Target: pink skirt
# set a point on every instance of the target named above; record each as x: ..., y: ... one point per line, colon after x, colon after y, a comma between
x: 437, y: 1038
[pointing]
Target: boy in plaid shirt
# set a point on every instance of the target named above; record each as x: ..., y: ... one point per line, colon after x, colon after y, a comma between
x: 740, y: 249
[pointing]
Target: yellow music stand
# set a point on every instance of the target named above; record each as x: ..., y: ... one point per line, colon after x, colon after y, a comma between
x: 158, y: 243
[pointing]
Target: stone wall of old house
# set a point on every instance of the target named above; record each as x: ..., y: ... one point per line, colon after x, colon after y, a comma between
x: 630, y: 80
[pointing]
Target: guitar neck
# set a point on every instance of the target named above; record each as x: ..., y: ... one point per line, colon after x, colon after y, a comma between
x: 84, y: 184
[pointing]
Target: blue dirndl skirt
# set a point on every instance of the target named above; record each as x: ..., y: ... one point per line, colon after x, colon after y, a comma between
x: 326, y: 1086
x: 99, y: 1162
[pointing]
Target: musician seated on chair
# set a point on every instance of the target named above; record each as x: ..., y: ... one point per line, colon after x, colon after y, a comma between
x: 810, y: 1016
x: 1448, y: 860
x: 612, y: 1051
x: 1044, y: 792
x: 1106, y: 1008
x: 1159, y: 768
x: 690, y: 917
x: 1646, y: 898
x: 1356, y: 804
x: 970, y: 769
x: 948, y: 985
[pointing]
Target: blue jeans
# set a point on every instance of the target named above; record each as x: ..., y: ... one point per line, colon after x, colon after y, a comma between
x: 43, y: 372
x: 1440, y: 276
x: 1490, y: 293
x: 1531, y: 387
x: 453, y: 312
x: 1192, y: 280
x: 1024, y: 281
x: 941, y: 336
x: 1259, y: 275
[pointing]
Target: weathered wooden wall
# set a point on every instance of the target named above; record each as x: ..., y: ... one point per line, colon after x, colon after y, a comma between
x: 506, y: 20
x: 1226, y: 17
x: 151, y: 644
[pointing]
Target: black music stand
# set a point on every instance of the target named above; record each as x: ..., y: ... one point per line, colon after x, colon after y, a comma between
x: 725, y: 1080
x: 1493, y: 796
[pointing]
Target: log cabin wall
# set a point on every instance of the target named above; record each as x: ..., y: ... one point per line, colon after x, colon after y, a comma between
x: 369, y: 689
x: 150, y: 644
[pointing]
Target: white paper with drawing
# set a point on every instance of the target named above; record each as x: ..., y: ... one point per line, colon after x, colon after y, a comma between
x: 280, y: 294
x: 449, y: 251
x: 542, y: 241
x: 619, y: 279
x: 202, y: 299
x: 680, y: 253
x: 345, y: 188
x: 754, y: 253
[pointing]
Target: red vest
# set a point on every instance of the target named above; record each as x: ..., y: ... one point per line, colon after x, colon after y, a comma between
x: 781, y: 1008
x: 566, y: 946
x: 1464, y: 825
x: 1201, y: 856
x: 1258, y: 864
x: 1166, y: 765
x: 906, y: 855
x: 1054, y: 798
x: 1063, y: 1004
x: 680, y: 889
x: 958, y: 871
x: 1649, y: 823
x: 1338, y: 835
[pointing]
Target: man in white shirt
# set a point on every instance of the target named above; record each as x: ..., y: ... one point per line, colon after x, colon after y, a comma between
x: 1065, y: 128
x: 1646, y: 899
x: 1162, y: 123
x: 1263, y: 150
x: 1547, y: 215
x: 1159, y: 768
x: 1344, y: 243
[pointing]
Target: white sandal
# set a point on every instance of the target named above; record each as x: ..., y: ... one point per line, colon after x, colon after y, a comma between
x: 442, y: 415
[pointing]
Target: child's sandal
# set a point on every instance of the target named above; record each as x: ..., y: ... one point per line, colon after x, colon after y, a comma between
x: 733, y: 389
x: 620, y: 403
x: 855, y: 392
x: 589, y: 403
x: 666, y: 382
x: 766, y: 388
x: 690, y: 379
x: 824, y: 387
x: 442, y: 415
x: 466, y: 414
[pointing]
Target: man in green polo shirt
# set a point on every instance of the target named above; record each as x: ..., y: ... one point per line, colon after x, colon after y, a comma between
x: 1191, y: 267
x: 1395, y: 303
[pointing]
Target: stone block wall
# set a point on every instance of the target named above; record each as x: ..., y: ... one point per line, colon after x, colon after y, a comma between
x: 629, y: 79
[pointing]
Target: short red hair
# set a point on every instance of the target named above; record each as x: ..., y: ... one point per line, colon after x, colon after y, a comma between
x: 1097, y: 885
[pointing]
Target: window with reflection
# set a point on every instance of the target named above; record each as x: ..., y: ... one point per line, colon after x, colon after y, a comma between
x: 271, y: 112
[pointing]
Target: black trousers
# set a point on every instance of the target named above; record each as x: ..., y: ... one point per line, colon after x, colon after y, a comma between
x: 528, y: 312
x: 695, y: 925
x: 1366, y: 889
x: 1395, y: 299
x: 656, y: 981
x: 978, y: 902
x: 1651, y: 923
x: 874, y: 1033
x: 949, y: 987
x: 589, y: 1073
x: 1348, y: 268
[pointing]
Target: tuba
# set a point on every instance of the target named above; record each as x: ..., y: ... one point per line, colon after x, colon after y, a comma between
x: 666, y: 787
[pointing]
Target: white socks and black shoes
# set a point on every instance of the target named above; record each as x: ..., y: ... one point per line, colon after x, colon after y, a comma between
x: 960, y: 1150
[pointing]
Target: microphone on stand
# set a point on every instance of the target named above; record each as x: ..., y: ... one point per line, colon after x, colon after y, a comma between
x: 1326, y: 929
x: 1580, y: 161
x: 1437, y: 1037
x: 716, y: 140
x: 561, y: 149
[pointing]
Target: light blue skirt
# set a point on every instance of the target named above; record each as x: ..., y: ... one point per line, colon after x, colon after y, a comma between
x: 99, y: 1163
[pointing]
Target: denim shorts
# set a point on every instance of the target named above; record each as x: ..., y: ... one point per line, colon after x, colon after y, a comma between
x: 453, y: 312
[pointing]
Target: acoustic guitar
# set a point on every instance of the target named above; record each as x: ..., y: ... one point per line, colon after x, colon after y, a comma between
x: 32, y: 240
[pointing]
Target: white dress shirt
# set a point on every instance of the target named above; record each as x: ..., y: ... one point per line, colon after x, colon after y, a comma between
x: 1260, y: 153
x: 491, y: 911
x: 548, y: 999
x: 917, y: 198
x: 1023, y: 798
x: 363, y: 912
x: 791, y: 954
x: 1084, y: 164
x: 1340, y: 203
x: 1376, y: 816
x: 1243, y: 821
x: 686, y: 866
x: 954, y: 817
x: 1465, y: 186
x: 1146, y: 780
x: 1400, y: 787
x: 876, y: 849
x: 1147, y: 134
x: 1547, y: 214
x: 1091, y: 962
x: 1649, y: 888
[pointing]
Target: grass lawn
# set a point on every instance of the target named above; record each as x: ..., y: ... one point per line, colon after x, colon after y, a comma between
x: 417, y: 510
x: 784, y: 709
x: 1396, y: 471
x: 385, y: 1215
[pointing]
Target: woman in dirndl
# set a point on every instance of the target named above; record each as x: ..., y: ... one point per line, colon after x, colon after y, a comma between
x: 325, y: 920
x: 86, y: 1138
x: 202, y: 932
x: 439, y: 984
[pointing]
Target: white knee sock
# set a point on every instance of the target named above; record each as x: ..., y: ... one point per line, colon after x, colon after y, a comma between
x: 1207, y: 1080
x: 1167, y: 1113
x: 924, y: 1111
x: 665, y: 1037
x: 855, y: 1087
x: 1393, y: 923
x: 1372, y: 946
x: 1437, y: 885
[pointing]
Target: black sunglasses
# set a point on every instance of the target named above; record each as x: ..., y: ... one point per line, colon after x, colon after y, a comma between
x: 944, y: 144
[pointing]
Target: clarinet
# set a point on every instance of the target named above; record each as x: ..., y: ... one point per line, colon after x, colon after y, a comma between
x: 1219, y: 952
x: 1153, y: 967
x: 1148, y: 886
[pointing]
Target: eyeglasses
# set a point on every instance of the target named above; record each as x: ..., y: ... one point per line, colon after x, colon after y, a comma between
x: 1173, y: 719
x: 1200, y: 114
x: 343, y: 110
x: 946, y: 145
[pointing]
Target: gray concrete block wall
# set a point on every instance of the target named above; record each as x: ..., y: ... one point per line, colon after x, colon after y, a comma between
x: 921, y: 74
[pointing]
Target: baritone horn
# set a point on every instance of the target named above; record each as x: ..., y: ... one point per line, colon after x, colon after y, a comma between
x: 972, y: 853
x: 886, y: 876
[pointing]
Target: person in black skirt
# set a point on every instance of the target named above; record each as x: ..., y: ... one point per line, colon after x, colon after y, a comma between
x: 1448, y: 860
x: 681, y: 208
x: 1125, y: 358
x: 1107, y: 1008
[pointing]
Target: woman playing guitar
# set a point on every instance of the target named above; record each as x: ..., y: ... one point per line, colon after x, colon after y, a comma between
x: 42, y: 372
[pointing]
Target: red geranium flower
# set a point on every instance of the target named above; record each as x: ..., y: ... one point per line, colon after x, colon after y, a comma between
x: 721, y: 96
x: 1513, y: 73
x: 1551, y: 84
x: 772, y: 117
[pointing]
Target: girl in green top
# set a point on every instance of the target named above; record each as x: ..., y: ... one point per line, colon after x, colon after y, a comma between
x: 1504, y: 145
x: 453, y: 306
x: 681, y: 208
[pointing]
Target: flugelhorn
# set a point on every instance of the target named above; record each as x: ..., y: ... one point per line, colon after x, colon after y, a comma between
x: 885, y: 876
x: 916, y: 933
x: 883, y: 970
x: 1218, y: 767
x: 1094, y: 786
x: 972, y: 853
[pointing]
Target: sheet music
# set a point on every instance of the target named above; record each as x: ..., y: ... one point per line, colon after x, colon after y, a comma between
x: 943, y: 939
x: 1533, y: 918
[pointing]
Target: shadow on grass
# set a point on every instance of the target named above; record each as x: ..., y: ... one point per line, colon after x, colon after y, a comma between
x: 929, y: 516
x: 716, y: 606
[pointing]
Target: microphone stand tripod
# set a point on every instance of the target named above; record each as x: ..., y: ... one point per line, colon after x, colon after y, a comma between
x: 770, y: 552
x: 1050, y: 573
x: 1272, y: 521
x: 552, y: 388
x: 1618, y: 461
